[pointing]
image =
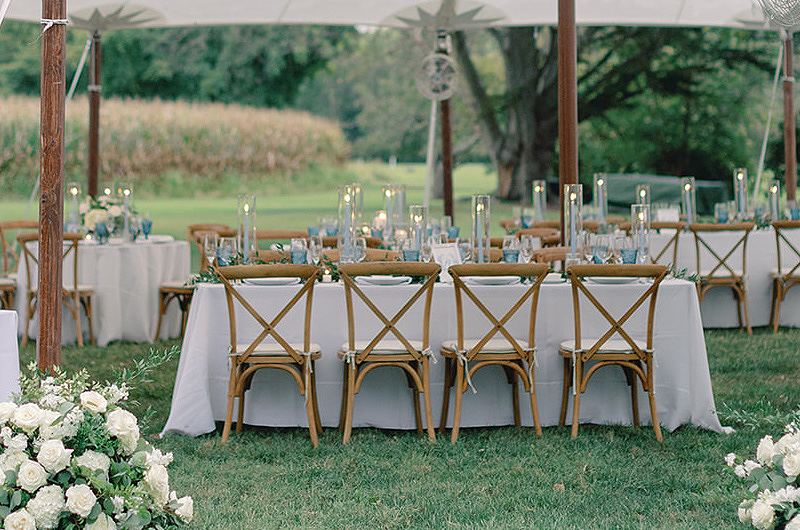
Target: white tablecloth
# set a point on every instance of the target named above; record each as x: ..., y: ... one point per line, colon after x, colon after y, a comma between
x: 125, y: 278
x: 683, y: 383
x: 719, y: 306
x: 9, y: 355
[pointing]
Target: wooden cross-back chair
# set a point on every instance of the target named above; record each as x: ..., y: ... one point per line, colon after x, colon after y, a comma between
x: 74, y: 295
x: 553, y: 256
x: 331, y: 254
x: 723, y: 273
x: 333, y: 241
x: 362, y: 356
x: 787, y: 275
x: 248, y: 357
x: 497, y: 347
x: 196, y: 233
x: 550, y: 237
x: 8, y: 244
x: 633, y: 355
x: 670, y: 247
x: 274, y: 236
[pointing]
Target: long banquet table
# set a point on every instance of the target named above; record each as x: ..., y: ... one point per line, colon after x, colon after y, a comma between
x: 9, y: 355
x: 719, y: 306
x: 683, y: 384
x: 125, y: 278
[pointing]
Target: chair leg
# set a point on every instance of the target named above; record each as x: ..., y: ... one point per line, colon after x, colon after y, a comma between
x: 240, y: 410
x: 415, y: 397
x: 562, y: 419
x: 535, y: 406
x: 738, y: 297
x: 746, y: 312
x: 351, y: 394
x: 777, y: 295
x: 772, y: 304
x: 28, y: 318
x: 185, y: 306
x: 76, y: 316
x: 317, y: 417
x: 459, y: 389
x: 511, y: 376
x: 310, y: 413
x: 446, y: 394
x: 576, y: 397
x: 343, y: 407
x: 226, y: 430
x: 162, y: 309
x: 651, y: 394
x: 87, y: 308
x: 634, y: 396
x: 426, y: 391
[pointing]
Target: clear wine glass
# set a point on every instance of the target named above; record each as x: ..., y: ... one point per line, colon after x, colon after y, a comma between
x: 465, y: 249
x: 360, y: 249
x: 527, y: 248
x: 210, y: 243
x: 426, y: 252
x: 315, y: 249
x: 227, y: 251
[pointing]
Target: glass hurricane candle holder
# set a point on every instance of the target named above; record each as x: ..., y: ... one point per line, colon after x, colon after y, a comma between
x: 418, y: 224
x: 573, y: 216
x: 358, y: 202
x: 689, y: 200
x: 481, y: 224
x: 347, y: 220
x: 125, y: 192
x: 601, y: 197
x: 640, y: 231
x: 73, y: 194
x: 248, y: 244
x: 774, y: 200
x: 643, y: 194
x: 740, y: 190
x: 394, y: 204
x: 539, y: 199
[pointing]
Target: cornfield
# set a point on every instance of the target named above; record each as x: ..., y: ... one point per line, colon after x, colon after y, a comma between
x: 142, y: 140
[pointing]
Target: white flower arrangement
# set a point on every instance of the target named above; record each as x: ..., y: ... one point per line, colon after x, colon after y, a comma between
x: 72, y: 457
x: 103, y: 209
x: 775, y: 489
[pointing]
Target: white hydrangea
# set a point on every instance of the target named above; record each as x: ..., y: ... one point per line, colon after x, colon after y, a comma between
x: 54, y: 456
x: 744, y: 513
x: 10, y: 461
x: 156, y: 482
x: 794, y: 524
x: 6, y: 411
x: 115, y: 393
x: 156, y: 457
x: 730, y: 459
x: 119, y: 503
x: 750, y: 465
x: 16, y: 443
x: 94, y: 461
x: 185, y: 509
x: 787, y: 442
x: 80, y: 500
x: 31, y: 476
x: 791, y: 463
x: 762, y: 514
x: 46, y: 506
x: 19, y: 520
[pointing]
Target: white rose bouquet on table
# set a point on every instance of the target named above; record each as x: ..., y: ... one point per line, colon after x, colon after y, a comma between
x: 72, y: 457
x: 775, y: 489
x: 103, y: 209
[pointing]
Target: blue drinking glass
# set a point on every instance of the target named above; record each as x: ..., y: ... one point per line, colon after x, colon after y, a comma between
x: 378, y: 234
x: 794, y: 213
x: 628, y: 255
x: 410, y: 255
x: 453, y: 232
x: 510, y: 255
x: 147, y: 226
x: 598, y: 254
x: 101, y: 230
x: 313, y: 231
x: 299, y: 257
x: 527, y: 221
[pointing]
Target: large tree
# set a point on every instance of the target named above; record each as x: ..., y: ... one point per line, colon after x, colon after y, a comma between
x: 615, y: 65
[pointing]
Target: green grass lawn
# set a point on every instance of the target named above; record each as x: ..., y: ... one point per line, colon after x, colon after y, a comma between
x: 610, y: 477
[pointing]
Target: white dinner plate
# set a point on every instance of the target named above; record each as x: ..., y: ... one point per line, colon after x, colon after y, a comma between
x: 493, y: 280
x: 612, y: 280
x: 155, y: 238
x: 272, y: 281
x: 379, y: 279
x: 554, y: 277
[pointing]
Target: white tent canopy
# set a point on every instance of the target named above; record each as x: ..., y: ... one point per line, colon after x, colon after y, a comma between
x: 401, y: 13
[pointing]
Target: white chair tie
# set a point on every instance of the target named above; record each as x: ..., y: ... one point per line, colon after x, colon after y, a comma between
x: 534, y: 362
x: 350, y: 358
x: 462, y: 357
x: 50, y: 22
x: 574, y: 373
x: 427, y: 352
x: 308, y: 369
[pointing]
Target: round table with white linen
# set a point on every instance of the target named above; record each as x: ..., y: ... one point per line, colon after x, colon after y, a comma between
x: 125, y: 278
x: 719, y: 306
x: 9, y: 355
x: 683, y: 383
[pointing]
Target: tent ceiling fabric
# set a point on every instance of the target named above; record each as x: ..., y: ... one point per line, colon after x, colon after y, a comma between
x: 397, y: 13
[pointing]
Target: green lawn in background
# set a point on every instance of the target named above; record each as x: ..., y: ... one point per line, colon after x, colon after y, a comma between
x: 610, y: 477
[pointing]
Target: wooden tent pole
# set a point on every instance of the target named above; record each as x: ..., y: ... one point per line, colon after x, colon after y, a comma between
x: 789, y: 135
x: 51, y: 195
x: 567, y: 101
x: 95, y: 87
x: 447, y: 159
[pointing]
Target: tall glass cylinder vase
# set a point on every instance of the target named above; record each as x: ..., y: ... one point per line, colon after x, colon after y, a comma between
x: 573, y: 216
x: 774, y: 196
x: 481, y: 224
x: 640, y: 231
x: 394, y: 204
x: 248, y: 243
x: 125, y: 191
x: 642, y: 194
x: 347, y: 223
x: 740, y: 191
x: 418, y: 225
x: 358, y: 203
x: 689, y: 200
x: 73, y: 194
x: 601, y: 196
x: 539, y: 199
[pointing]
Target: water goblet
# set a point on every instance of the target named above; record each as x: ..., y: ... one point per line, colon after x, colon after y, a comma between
x: 299, y: 251
x: 511, y: 247
x: 360, y: 249
x: 528, y: 245
x: 464, y: 249
x: 210, y: 244
x: 101, y: 230
x: 227, y: 249
x: 408, y: 250
x: 315, y: 249
x: 527, y: 217
x: 147, y: 227
x: 426, y: 250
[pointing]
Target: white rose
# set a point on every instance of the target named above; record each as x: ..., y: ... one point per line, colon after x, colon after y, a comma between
x: 156, y: 457
x: 80, y: 500
x: 750, y: 465
x: 740, y: 471
x: 27, y: 417
x: 17, y: 443
x: 93, y: 217
x: 93, y: 402
x: 94, y: 461
x: 6, y: 411
x: 156, y: 481
x: 48, y: 419
x: 115, y: 211
x: 54, y: 456
x: 791, y: 464
x: 763, y: 516
x: 794, y: 524
x: 730, y: 459
x: 19, y: 520
x: 129, y: 443
x: 103, y: 522
x: 765, y: 451
x: 31, y: 476
x: 185, y: 509
x: 46, y: 506
x: 744, y: 512
x: 786, y: 442
x: 11, y: 461
x: 120, y: 422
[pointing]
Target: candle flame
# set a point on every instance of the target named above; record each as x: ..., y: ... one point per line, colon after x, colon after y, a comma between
x: 246, y: 208
x: 642, y: 193
x: 388, y: 193
x: 600, y: 182
x: 479, y: 207
x: 640, y: 215
x: 573, y: 196
x: 73, y: 190
x: 126, y: 192
x: 687, y: 187
x: 774, y: 189
x: 537, y: 189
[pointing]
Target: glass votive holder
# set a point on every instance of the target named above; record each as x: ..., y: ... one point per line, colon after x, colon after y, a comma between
x: 510, y: 255
x: 299, y: 256
x: 628, y: 255
x: 794, y: 211
x: 410, y: 254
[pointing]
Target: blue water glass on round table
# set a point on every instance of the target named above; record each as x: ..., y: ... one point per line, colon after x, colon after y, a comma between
x: 377, y: 234
x: 147, y: 227
x: 510, y: 255
x: 628, y: 255
x: 101, y: 231
x: 299, y: 257
x: 794, y: 213
x: 452, y: 232
x: 410, y: 255
x: 313, y: 231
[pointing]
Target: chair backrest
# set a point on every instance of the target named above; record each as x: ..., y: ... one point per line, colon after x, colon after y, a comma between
x: 535, y: 271
x: 670, y: 248
x: 71, y: 246
x: 722, y: 258
x: 8, y: 243
x: 551, y: 255
x: 539, y: 232
x: 306, y: 273
x: 279, y: 235
x: 350, y: 271
x: 577, y: 275
x: 197, y: 233
x: 784, y: 230
x: 333, y: 241
x: 373, y: 255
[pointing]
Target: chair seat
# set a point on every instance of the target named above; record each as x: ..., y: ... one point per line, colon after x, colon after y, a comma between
x: 83, y: 289
x: 610, y: 346
x: 721, y: 273
x: 175, y: 285
x: 12, y: 276
x: 786, y: 276
x: 494, y: 345
x: 6, y: 283
x: 384, y: 347
x: 271, y: 348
